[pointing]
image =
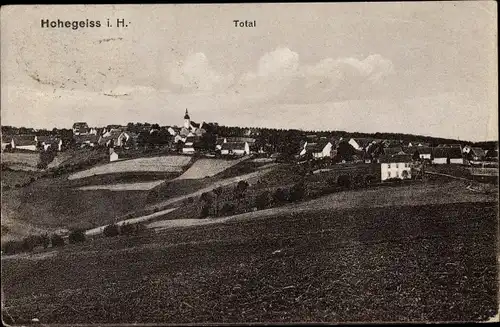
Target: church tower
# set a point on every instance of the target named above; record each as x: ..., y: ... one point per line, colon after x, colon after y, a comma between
x: 187, y: 120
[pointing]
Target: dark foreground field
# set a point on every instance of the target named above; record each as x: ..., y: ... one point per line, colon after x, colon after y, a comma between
x: 427, y: 263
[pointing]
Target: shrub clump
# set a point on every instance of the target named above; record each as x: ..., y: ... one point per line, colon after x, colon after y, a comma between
x: 111, y: 230
x: 57, y: 240
x: 132, y: 229
x: 77, y: 236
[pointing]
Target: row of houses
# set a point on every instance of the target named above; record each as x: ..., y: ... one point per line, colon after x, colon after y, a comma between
x: 368, y: 150
x: 31, y: 142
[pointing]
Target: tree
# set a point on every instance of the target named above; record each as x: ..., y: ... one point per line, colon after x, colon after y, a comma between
x: 218, y: 192
x: 344, y: 181
x: 416, y: 155
x: 297, y: 192
x: 29, y: 243
x: 57, y: 240
x: 131, y: 229
x: 111, y: 230
x: 263, y: 200
x: 279, y: 196
x: 45, y: 240
x: 205, y: 211
x: 405, y: 174
x: 227, y: 209
x: 207, y: 203
x: 77, y: 236
x: 240, y: 190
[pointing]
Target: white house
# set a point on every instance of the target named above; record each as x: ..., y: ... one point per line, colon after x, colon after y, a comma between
x: 475, y: 153
x: 188, y: 147
x: 126, y: 139
x: 235, y: 148
x: 24, y: 142
x: 219, y: 142
x: 83, y: 140
x: 318, y: 150
x: 445, y: 155
x: 397, y: 166
x: 178, y: 138
x: 171, y: 131
x: 360, y: 144
x: 424, y: 152
x: 6, y: 141
x: 113, y: 156
x: 46, y: 142
x: 80, y: 128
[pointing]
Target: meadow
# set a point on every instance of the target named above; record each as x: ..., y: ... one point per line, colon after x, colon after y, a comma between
x: 146, y: 164
x: 422, y: 263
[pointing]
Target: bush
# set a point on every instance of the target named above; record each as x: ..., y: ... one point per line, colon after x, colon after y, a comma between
x: 227, y: 209
x: 57, y: 240
x: 12, y: 247
x: 77, y: 236
x: 279, y: 196
x: 331, y: 181
x: 44, y: 240
x: 111, y: 230
x: 29, y: 243
x: 297, y: 192
x: 344, y: 181
x: 263, y: 200
x: 205, y: 211
x: 132, y: 229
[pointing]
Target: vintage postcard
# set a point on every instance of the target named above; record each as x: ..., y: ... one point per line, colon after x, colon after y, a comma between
x: 249, y: 163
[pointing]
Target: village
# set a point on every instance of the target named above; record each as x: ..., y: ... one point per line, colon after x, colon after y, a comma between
x: 395, y: 158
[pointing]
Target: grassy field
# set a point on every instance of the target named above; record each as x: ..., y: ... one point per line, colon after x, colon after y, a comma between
x: 11, y: 178
x: 147, y: 164
x: 28, y: 159
x: 180, y: 187
x: 406, y: 263
x: 203, y: 168
x: 56, y: 207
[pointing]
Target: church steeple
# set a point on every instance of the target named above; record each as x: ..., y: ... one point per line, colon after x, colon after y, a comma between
x: 187, y: 120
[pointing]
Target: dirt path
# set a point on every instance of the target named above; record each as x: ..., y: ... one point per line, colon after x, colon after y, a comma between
x: 100, y: 229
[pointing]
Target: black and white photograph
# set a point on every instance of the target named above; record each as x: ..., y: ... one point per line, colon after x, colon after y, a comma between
x: 249, y: 164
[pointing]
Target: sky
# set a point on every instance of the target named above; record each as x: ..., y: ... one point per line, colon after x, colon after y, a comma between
x: 427, y: 68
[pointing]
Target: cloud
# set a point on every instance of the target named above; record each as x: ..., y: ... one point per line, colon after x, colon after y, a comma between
x: 279, y: 77
x: 341, y: 79
x: 196, y: 73
x: 281, y: 62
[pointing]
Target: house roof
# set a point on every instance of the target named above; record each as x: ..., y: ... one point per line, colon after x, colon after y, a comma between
x: 492, y: 154
x: 233, y: 146
x: 86, y: 138
x: 6, y: 138
x: 22, y: 140
x: 80, y: 124
x: 240, y: 139
x: 48, y: 138
x: 190, y: 139
x: 363, y: 142
x: 394, y: 150
x: 445, y: 152
x: 478, y: 151
x: 458, y: 146
x: 395, y: 158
